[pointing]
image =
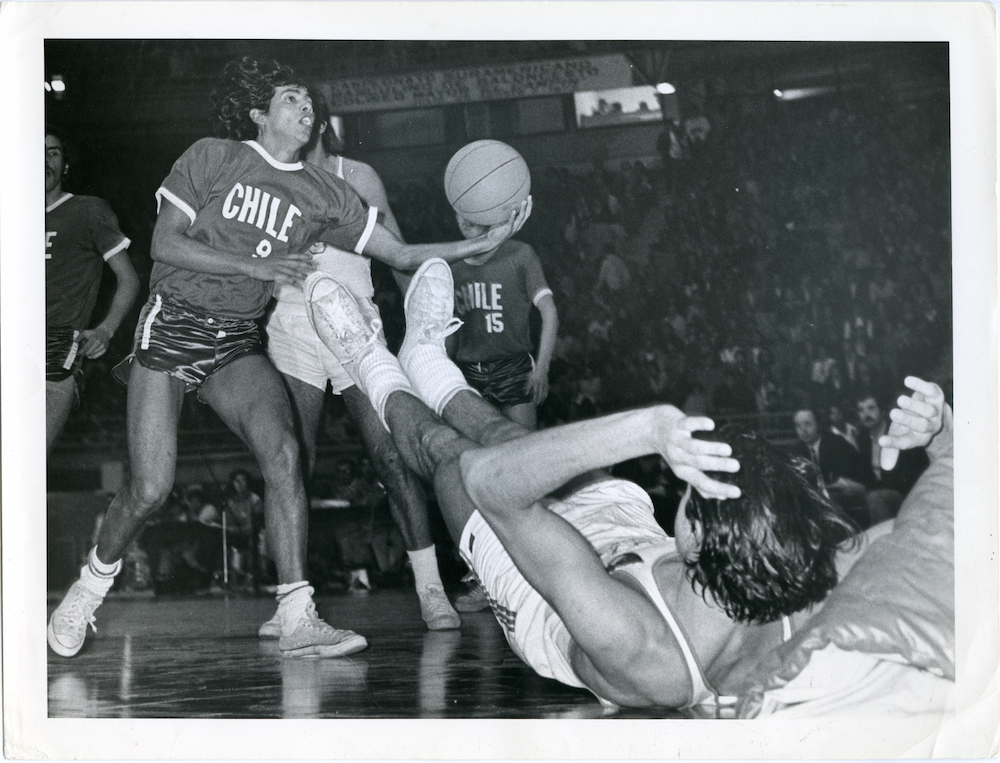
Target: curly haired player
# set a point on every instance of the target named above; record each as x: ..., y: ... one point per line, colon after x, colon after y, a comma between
x: 308, y: 367
x: 588, y: 588
x: 237, y: 214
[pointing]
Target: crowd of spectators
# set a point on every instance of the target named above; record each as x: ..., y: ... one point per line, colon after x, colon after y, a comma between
x: 785, y: 257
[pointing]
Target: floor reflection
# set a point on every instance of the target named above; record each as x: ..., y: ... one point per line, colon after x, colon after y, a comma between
x: 200, y: 658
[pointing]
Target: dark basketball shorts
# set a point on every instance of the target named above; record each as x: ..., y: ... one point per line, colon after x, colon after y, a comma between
x: 60, y: 353
x: 502, y: 382
x: 187, y: 345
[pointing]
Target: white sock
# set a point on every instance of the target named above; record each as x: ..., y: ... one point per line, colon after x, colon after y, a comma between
x: 425, y: 568
x: 379, y: 375
x: 435, y: 377
x: 293, y: 598
x: 98, y: 577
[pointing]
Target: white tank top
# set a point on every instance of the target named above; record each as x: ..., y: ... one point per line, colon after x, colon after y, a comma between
x: 616, y: 517
x: 352, y: 270
x: 638, y: 565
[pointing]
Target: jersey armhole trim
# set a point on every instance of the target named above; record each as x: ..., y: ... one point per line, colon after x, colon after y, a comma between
x: 125, y: 244
x: 541, y: 293
x: 183, y: 206
x: 369, y: 227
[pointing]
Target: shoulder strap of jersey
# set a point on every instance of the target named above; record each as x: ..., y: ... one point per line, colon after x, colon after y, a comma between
x: 641, y: 570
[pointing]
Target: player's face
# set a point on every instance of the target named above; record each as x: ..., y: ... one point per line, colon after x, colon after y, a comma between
x: 470, y: 229
x: 55, y: 162
x: 688, y: 544
x: 289, y: 117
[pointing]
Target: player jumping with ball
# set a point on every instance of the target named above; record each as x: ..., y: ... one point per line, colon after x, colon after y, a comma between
x: 588, y: 588
x: 237, y: 215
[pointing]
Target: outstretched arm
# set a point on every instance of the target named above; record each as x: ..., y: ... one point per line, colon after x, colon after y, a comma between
x: 524, y: 470
x: 385, y: 246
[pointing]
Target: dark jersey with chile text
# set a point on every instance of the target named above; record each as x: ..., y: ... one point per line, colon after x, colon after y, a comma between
x: 81, y: 234
x: 241, y: 200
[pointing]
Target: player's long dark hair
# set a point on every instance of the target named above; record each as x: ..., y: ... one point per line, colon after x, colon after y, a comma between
x: 246, y: 84
x: 770, y: 552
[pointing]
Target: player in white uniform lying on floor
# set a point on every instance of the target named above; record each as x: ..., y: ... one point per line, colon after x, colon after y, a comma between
x: 588, y: 588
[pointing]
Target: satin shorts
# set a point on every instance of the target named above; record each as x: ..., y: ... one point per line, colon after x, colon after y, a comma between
x: 187, y: 345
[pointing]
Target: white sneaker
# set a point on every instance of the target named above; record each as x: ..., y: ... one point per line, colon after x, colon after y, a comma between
x: 429, y: 308
x: 270, y: 629
x: 437, y: 610
x: 67, y: 627
x: 337, y: 320
x: 311, y: 637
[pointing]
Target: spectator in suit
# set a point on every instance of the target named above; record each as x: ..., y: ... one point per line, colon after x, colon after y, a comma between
x: 889, y: 487
x: 839, y: 425
x: 845, y: 474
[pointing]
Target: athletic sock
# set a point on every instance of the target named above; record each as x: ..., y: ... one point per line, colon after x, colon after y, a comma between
x: 293, y: 598
x: 425, y: 568
x: 435, y: 377
x: 379, y: 375
x: 98, y: 577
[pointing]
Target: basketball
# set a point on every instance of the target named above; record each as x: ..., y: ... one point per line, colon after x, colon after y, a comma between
x: 485, y: 180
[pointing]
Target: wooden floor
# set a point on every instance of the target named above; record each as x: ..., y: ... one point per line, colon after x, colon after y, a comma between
x: 199, y: 657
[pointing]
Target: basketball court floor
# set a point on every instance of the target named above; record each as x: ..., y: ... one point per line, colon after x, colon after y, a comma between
x: 199, y: 657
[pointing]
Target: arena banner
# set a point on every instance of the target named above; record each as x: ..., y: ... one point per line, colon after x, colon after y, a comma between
x: 481, y: 83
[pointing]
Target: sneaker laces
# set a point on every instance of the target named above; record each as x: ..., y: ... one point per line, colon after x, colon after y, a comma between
x: 376, y: 327
x: 79, y: 612
x: 438, y: 333
x: 310, y: 617
x: 341, y: 323
x: 429, y: 310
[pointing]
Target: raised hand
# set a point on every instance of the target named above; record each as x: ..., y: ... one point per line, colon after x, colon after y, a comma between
x: 914, y: 423
x: 500, y: 232
x: 690, y: 458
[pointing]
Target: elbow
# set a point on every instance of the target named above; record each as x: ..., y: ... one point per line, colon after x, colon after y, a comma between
x: 157, y: 246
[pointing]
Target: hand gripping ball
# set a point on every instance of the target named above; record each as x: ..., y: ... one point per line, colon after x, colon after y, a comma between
x: 485, y: 180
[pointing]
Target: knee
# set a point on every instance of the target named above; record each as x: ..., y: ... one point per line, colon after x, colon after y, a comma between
x: 440, y: 445
x: 149, y: 494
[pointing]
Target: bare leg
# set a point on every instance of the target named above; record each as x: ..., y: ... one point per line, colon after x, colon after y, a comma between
x: 431, y: 448
x: 407, y: 501
x: 524, y: 414
x: 307, y: 409
x: 478, y: 420
x: 250, y: 398
x: 58, y: 404
x: 154, y: 407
